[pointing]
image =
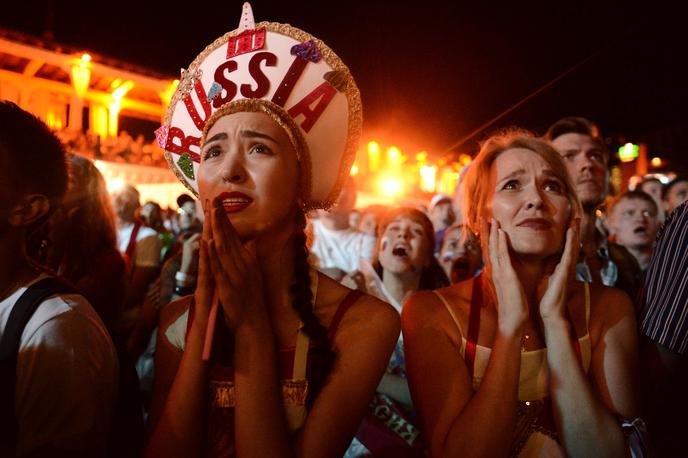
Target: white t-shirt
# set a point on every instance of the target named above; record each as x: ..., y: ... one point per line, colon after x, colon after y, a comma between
x: 340, y: 249
x: 66, y: 376
x: 148, y: 245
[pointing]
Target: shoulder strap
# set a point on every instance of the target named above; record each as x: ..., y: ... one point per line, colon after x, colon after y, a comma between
x: 21, y: 313
x: 342, y: 309
x: 450, y: 310
x: 473, y: 324
x: 587, y: 307
x: 131, y: 246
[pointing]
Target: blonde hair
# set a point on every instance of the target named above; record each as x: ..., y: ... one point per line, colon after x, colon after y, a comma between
x: 476, y: 183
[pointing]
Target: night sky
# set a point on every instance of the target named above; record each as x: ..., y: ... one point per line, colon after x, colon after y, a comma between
x: 432, y: 73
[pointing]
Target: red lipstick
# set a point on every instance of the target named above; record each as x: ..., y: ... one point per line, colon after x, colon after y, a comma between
x: 234, y: 202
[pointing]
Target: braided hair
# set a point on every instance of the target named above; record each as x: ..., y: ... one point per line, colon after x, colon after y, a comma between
x: 322, y: 355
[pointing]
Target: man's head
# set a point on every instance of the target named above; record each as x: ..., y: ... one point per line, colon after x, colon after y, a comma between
x: 126, y: 202
x: 344, y: 204
x: 33, y: 170
x: 188, y: 219
x: 632, y: 220
x: 652, y: 186
x: 579, y: 143
x: 441, y: 211
x: 675, y: 193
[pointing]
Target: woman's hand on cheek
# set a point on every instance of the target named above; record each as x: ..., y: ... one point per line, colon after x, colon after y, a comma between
x: 235, y: 271
x: 512, y: 306
x: 552, y: 290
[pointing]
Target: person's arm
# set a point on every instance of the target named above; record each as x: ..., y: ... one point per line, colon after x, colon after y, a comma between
x: 177, y: 414
x: 586, y: 415
x: 145, y: 270
x: 456, y: 420
x: 363, y: 342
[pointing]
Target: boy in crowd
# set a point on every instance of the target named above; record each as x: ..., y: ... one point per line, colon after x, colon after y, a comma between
x: 633, y: 224
x: 58, y: 388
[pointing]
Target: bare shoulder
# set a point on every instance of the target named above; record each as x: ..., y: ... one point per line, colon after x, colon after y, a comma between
x: 609, y: 307
x: 367, y: 316
x: 430, y: 308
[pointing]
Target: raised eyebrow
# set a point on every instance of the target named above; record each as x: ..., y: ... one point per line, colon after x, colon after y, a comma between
x: 550, y: 173
x: 216, y: 137
x: 513, y: 174
x: 254, y: 134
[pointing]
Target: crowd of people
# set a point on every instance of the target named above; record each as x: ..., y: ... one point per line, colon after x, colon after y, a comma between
x: 268, y: 316
x: 122, y: 148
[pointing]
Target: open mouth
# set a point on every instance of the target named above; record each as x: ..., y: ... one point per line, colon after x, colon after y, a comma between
x: 461, y: 265
x: 234, y: 202
x: 400, y: 251
x: 640, y: 230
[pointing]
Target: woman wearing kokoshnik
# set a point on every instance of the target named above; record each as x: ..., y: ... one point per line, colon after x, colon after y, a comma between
x: 264, y: 126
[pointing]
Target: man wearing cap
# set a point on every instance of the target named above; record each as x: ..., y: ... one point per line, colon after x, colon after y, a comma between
x: 580, y: 145
x: 442, y: 216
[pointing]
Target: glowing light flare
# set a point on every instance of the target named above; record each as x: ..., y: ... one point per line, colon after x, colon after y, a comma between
x: 80, y: 72
x: 166, y: 95
x: 394, y: 158
x: 656, y: 162
x: 115, y: 185
x: 465, y: 159
x: 422, y: 158
x: 447, y: 182
x: 115, y: 105
x: 628, y: 152
x: 390, y: 186
x: 428, y: 178
x: 54, y: 120
x: 373, y: 156
x: 354, y: 169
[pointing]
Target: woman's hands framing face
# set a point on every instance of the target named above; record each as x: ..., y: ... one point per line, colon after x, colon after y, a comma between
x: 552, y: 290
x: 512, y: 305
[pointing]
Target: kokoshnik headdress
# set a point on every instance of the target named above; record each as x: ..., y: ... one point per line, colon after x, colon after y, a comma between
x: 285, y: 73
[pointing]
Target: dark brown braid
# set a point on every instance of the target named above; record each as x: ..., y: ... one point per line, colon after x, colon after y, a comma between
x: 322, y: 356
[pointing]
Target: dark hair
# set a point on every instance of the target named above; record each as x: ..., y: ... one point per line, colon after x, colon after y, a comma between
x: 672, y: 183
x: 35, y: 157
x: 322, y: 355
x: 573, y: 125
x: 183, y: 198
x: 89, y: 216
x: 432, y: 276
x: 577, y: 125
x: 636, y: 195
x: 650, y: 179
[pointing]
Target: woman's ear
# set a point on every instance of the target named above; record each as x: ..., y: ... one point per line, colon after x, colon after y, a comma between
x: 28, y: 210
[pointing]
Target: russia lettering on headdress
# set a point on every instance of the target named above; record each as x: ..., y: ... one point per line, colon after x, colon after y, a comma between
x: 247, y: 42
